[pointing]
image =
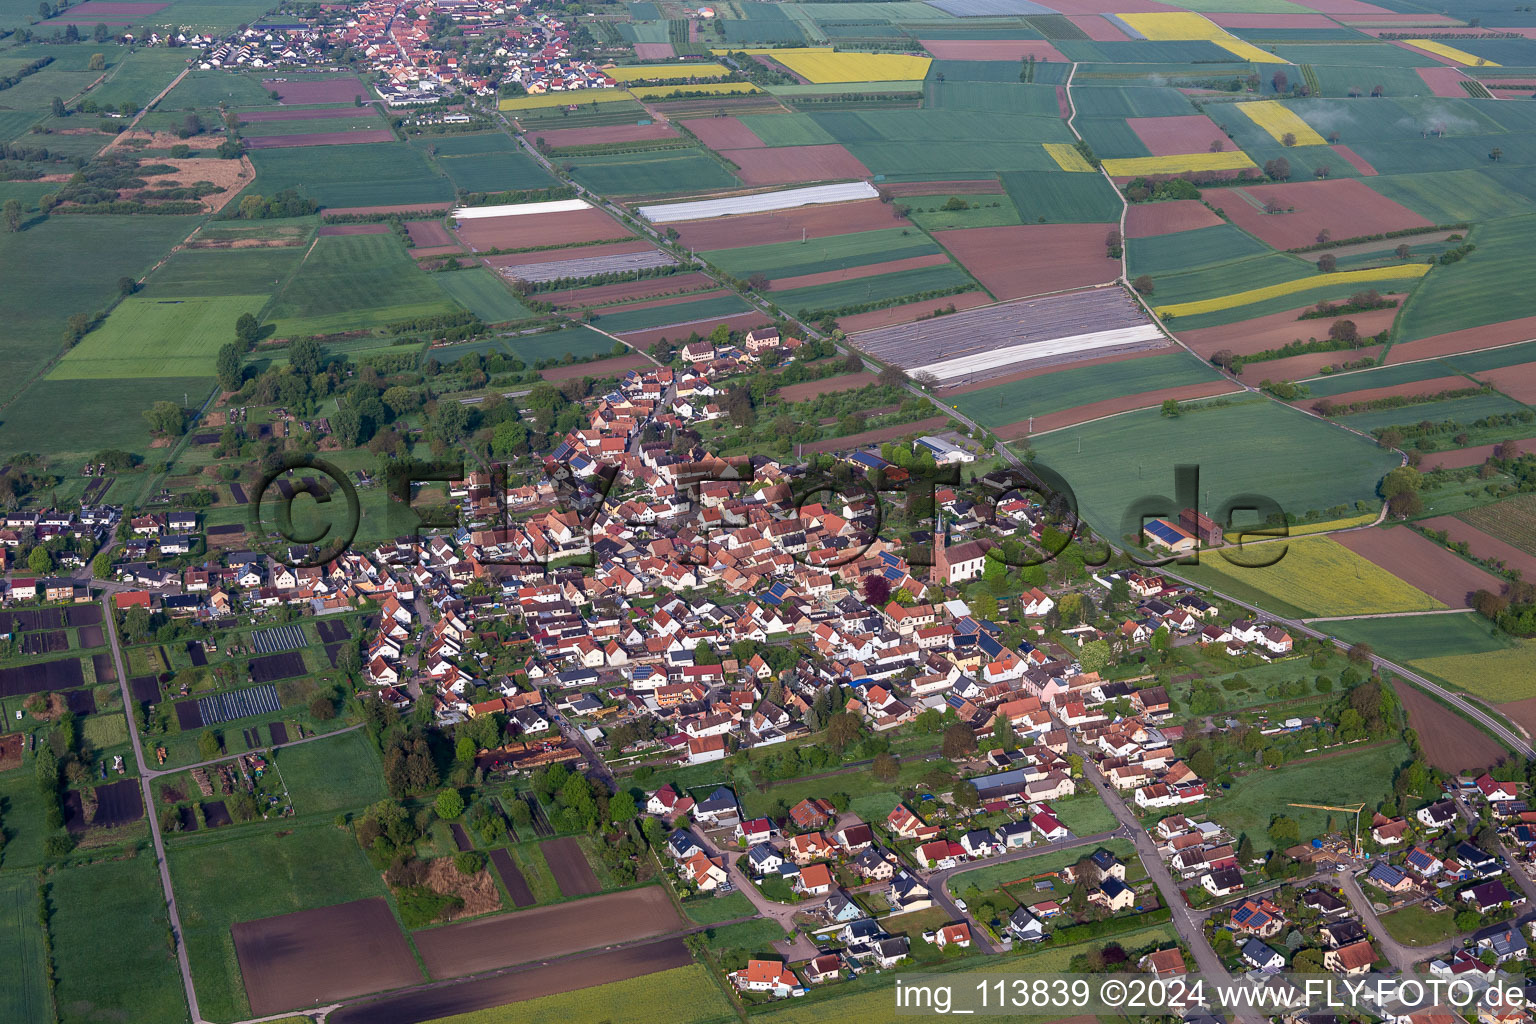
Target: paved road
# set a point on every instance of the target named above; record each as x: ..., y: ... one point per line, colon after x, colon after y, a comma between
x: 149, y: 809
x: 1400, y: 956
x: 783, y: 913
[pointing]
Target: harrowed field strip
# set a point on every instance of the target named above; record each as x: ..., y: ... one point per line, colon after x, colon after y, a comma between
x: 1342, y: 278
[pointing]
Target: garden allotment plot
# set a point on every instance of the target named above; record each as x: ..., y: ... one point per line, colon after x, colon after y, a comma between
x: 278, y: 638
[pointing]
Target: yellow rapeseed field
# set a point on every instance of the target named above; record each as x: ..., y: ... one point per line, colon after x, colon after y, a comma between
x: 1279, y: 120
x: 1342, y: 278
x: 1182, y: 25
x: 1067, y: 157
x: 820, y: 66
x: 555, y: 99
x: 1451, y: 53
x: 1323, y: 577
x: 1129, y: 166
x: 653, y: 92
x: 665, y: 72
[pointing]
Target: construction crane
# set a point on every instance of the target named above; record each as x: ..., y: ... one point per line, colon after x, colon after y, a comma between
x: 1347, y: 810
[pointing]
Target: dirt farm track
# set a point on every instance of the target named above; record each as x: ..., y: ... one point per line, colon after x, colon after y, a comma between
x: 515, y: 986
x: 486, y: 943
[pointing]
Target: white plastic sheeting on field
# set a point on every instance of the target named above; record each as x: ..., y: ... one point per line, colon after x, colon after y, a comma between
x: 519, y: 209
x: 762, y: 202
x: 1075, y: 344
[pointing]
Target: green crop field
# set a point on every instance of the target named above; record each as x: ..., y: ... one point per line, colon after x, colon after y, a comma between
x: 581, y: 342
x: 25, y: 994
x: 1347, y: 777
x: 1147, y: 51
x: 1496, y: 676
x: 836, y: 252
x: 590, y: 116
x: 1066, y: 389
x: 1111, y: 138
x: 484, y: 294
x: 1483, y: 288
x: 237, y: 875
x: 215, y: 272
x: 353, y: 282
x: 207, y: 89
x: 1061, y: 197
x: 1490, y: 359
x: 1340, y: 79
x: 787, y: 129
x: 157, y: 338
x: 678, y: 313
x: 46, y: 281
x: 111, y: 944
x: 1412, y: 637
x: 1380, y: 377
x: 335, y: 774
x: 1184, y: 250
x: 988, y: 211
x: 467, y: 145
x: 1113, y: 101
x: 1113, y: 462
x: 1362, y: 55
x: 379, y: 173
x: 495, y: 172
x: 140, y: 77
x: 1313, y: 575
x: 32, y: 421
x: 688, y: 170
x: 1010, y: 97
x: 1460, y: 410
x: 871, y: 289
x: 682, y: 995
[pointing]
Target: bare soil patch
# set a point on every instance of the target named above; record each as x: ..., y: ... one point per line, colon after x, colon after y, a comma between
x: 569, y: 865
x: 1098, y: 28
x: 1450, y: 742
x: 1483, y: 545
x: 655, y: 51
x: 672, y: 300
x: 301, y: 89
x: 10, y: 751
x: 1433, y: 386
x: 792, y: 164
x: 852, y: 441
x: 1459, y: 458
x: 575, y: 227
x: 545, y: 932
x: 605, y: 135
x: 826, y: 386
x: 1346, y: 207
x: 518, y: 259
x: 853, y: 273
x: 991, y: 49
x: 1031, y: 259
x: 1518, y: 382
x: 910, y: 311
x: 787, y: 225
x: 1143, y: 220
x: 1277, y: 329
x: 1443, y: 81
x: 602, y: 294
x: 1522, y: 713
x: 1421, y: 562
x: 1111, y: 406
x: 318, y: 956
x: 737, y: 322
x: 429, y: 233
x: 1175, y: 136
x: 719, y: 133
x: 1473, y: 339
x: 615, y: 367
x: 429, y: 1004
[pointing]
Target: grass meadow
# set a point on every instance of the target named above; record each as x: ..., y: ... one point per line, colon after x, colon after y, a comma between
x: 24, y: 997
x: 112, y: 944
x: 682, y: 995
x: 244, y: 873
x: 157, y: 338
x: 355, y: 282
x: 336, y: 774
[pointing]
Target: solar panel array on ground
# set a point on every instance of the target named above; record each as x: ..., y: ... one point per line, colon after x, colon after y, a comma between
x: 992, y: 341
x: 278, y: 638
x: 276, y: 666
x: 590, y: 266
x: 228, y: 706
